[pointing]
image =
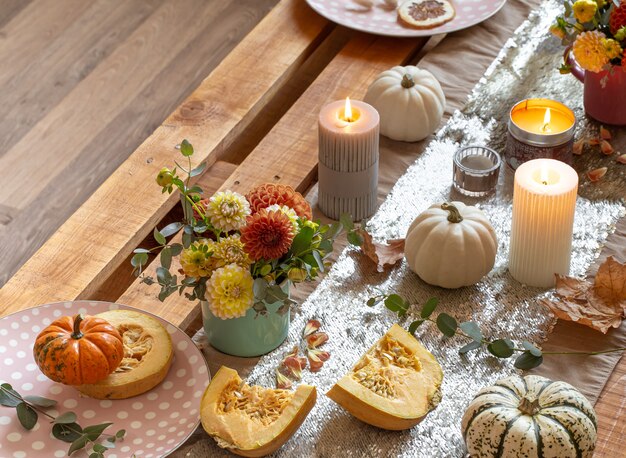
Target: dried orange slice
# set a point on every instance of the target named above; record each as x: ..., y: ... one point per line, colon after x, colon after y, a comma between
x: 426, y: 14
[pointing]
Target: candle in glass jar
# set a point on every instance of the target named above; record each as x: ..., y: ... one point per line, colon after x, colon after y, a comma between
x: 348, y: 159
x: 544, y: 201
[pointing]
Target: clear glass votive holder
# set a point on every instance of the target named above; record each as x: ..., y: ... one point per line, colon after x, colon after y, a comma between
x: 476, y: 170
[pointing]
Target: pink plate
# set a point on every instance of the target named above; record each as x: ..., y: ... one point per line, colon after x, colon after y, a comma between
x: 156, y: 422
x: 381, y: 20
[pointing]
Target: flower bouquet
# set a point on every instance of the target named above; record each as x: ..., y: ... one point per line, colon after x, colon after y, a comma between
x: 594, y: 33
x: 239, y: 256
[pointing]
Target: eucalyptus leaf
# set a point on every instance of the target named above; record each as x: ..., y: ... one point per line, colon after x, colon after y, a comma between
x: 473, y: 345
x: 318, y: 260
x: 96, y: 455
x: 158, y: 237
x: 429, y: 307
x: 66, y: 418
x: 395, y: 303
x: 94, y: 431
x: 502, y: 348
x: 141, y: 250
x: 171, y: 229
x: 446, y: 324
x: 527, y: 361
x: 371, y: 302
x: 8, y: 396
x: 40, y: 401
x: 26, y: 415
x: 354, y: 238
x: 187, y: 239
x: 333, y: 231
x: 139, y: 259
x: 166, y: 258
x: 531, y: 348
x: 195, y: 172
x: 176, y: 249
x: 67, y: 432
x: 259, y: 287
x: 120, y: 434
x: 163, y: 276
x: 471, y: 329
x: 186, y: 148
x: 99, y: 448
x: 414, y: 325
x: 79, y: 443
x: 346, y: 221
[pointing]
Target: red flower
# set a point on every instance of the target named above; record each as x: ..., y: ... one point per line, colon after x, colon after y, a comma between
x: 267, y: 235
x: 270, y: 194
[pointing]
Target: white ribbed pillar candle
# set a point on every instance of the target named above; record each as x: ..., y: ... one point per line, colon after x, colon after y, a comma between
x: 544, y: 201
x: 348, y: 160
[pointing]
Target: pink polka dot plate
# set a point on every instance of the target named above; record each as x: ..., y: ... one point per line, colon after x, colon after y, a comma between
x: 156, y: 422
x: 382, y: 20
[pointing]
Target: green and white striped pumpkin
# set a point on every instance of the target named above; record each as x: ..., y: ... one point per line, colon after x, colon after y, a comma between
x: 530, y: 417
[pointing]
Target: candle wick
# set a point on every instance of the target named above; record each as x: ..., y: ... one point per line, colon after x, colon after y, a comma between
x: 545, y: 183
x: 546, y: 127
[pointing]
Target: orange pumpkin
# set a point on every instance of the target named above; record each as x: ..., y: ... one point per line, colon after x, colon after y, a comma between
x: 78, y: 350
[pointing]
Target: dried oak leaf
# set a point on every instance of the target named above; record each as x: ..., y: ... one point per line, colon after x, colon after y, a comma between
x: 600, y: 305
x: 382, y: 254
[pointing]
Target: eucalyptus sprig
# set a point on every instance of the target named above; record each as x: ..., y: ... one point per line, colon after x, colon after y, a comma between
x: 64, y: 426
x: 527, y: 355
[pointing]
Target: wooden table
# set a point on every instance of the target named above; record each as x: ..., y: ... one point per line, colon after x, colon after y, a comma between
x: 253, y: 120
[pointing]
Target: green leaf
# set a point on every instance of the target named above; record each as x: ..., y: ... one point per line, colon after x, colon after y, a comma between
x: 95, y: 455
x: 354, y: 238
x: 531, y: 348
x: 186, y: 148
x: 78, y: 444
x: 67, y: 432
x: 346, y: 221
x: 120, y: 434
x: 8, y: 396
x: 166, y: 257
x: 159, y: 237
x: 429, y: 307
x: 109, y: 442
x: 141, y: 250
x: 333, y: 231
x: 275, y: 294
x: 527, y: 361
x: 187, y: 239
x: 176, y: 249
x: 371, y: 302
x: 502, y: 348
x: 65, y: 418
x: 265, y: 270
x: 139, y: 259
x: 197, y: 171
x: 446, y: 324
x: 469, y: 347
x: 93, y: 432
x: 302, y: 241
x: 163, y: 276
x: 26, y: 415
x: 259, y: 287
x: 413, y: 326
x: 318, y: 260
x: 99, y: 448
x: 171, y: 229
x: 395, y: 303
x: 40, y: 402
x: 195, y: 189
x: 471, y: 329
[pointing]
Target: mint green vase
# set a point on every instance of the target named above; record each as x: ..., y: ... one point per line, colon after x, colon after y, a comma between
x: 251, y: 335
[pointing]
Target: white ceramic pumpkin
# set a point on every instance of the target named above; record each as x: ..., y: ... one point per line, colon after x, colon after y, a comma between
x: 531, y: 417
x: 451, y: 245
x: 410, y: 103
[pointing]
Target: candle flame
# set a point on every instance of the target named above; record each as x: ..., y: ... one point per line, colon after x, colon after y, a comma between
x: 546, y: 121
x: 347, y: 113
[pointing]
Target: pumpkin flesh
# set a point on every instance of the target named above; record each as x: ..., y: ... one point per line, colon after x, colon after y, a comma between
x: 394, y: 385
x: 77, y: 350
x: 252, y: 420
x: 148, y: 355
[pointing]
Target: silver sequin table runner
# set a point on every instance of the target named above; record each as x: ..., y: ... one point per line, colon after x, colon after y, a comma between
x: 526, y: 67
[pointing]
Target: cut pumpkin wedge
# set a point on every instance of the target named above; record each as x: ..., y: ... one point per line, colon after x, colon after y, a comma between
x: 394, y: 385
x: 252, y: 420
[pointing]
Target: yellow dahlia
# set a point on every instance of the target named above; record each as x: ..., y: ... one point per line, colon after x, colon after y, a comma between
x: 558, y: 31
x: 267, y: 235
x: 612, y: 47
x: 290, y: 212
x: 197, y: 260
x: 229, y: 250
x: 584, y: 10
x: 229, y: 291
x: 589, y: 51
x: 227, y: 211
x: 269, y: 194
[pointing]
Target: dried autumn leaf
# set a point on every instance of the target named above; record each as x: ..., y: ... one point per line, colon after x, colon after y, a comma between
x: 311, y: 327
x: 282, y: 382
x: 600, y: 305
x: 292, y: 367
x: 597, y: 174
x: 604, y: 133
x: 317, y: 359
x: 606, y: 148
x: 594, y: 141
x: 621, y: 159
x: 382, y: 254
x: 578, y: 146
x: 317, y: 339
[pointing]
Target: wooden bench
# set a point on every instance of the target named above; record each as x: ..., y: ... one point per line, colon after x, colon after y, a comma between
x: 252, y: 120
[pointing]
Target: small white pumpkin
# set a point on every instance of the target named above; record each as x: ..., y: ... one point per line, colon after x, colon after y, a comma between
x: 531, y: 417
x: 410, y: 103
x: 451, y: 245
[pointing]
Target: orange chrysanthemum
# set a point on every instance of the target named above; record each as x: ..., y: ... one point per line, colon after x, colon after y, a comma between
x: 267, y: 235
x: 270, y: 194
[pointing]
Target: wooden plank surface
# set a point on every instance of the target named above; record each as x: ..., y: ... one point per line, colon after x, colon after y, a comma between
x: 288, y: 153
x: 110, y: 224
x: 85, y: 99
